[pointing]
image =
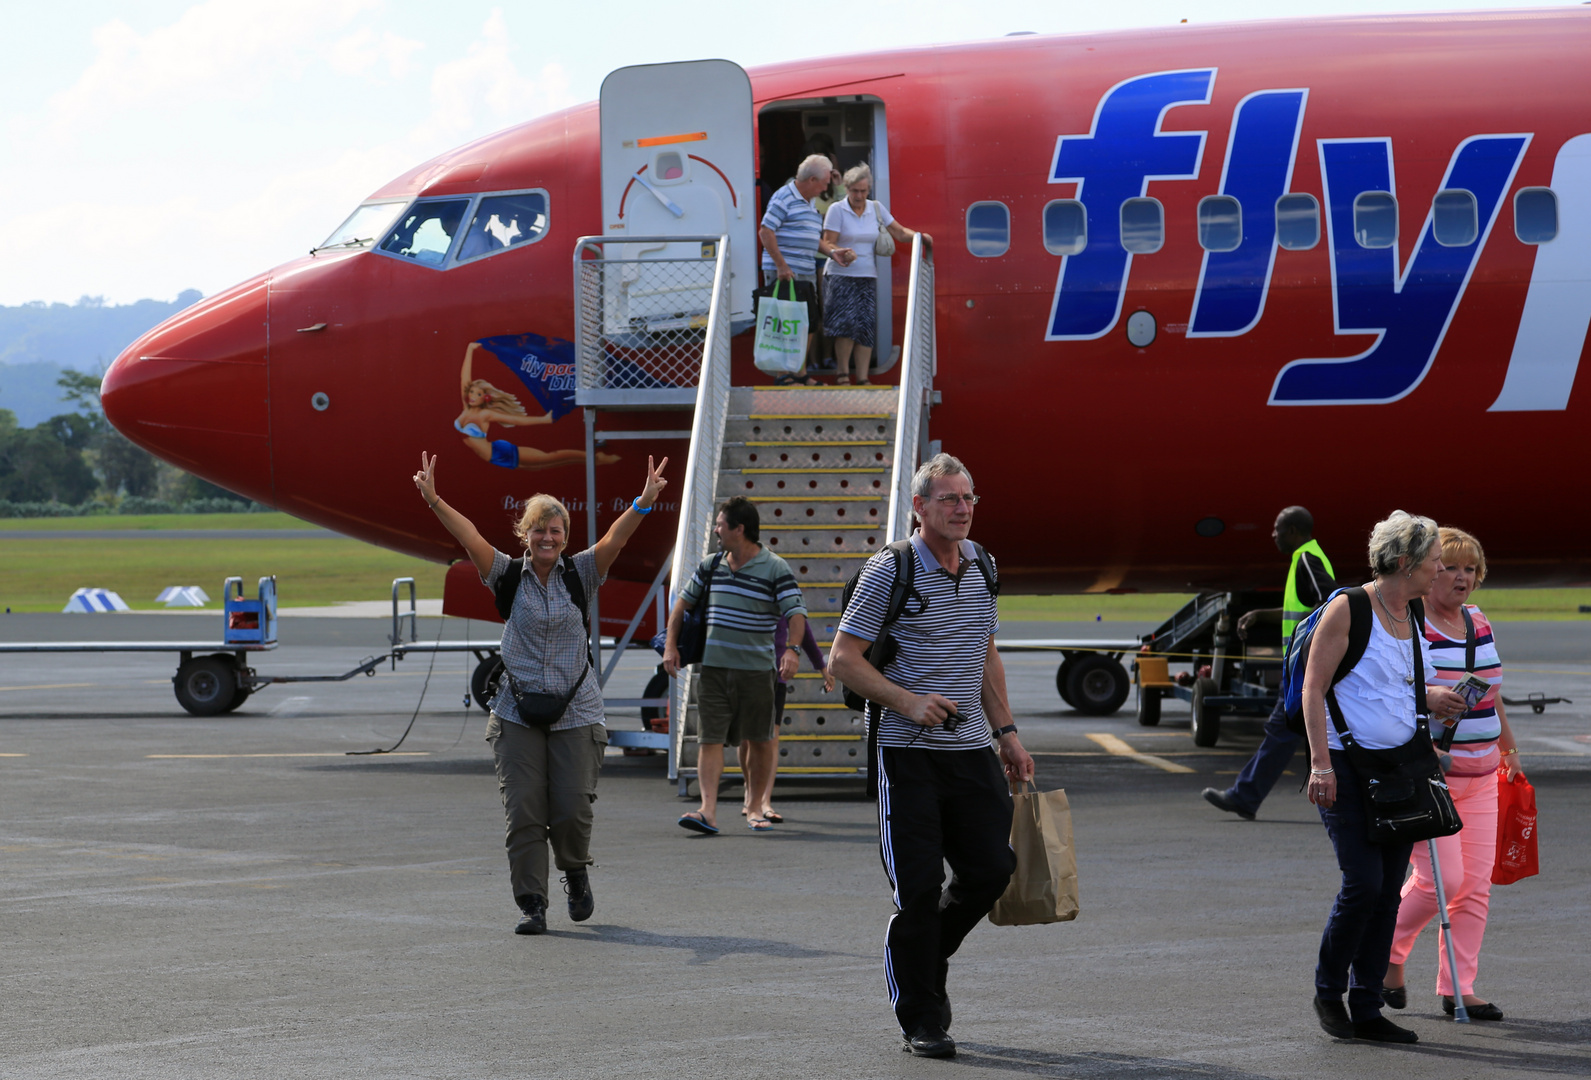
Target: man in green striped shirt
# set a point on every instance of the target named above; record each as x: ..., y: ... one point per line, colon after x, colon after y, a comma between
x: 750, y: 589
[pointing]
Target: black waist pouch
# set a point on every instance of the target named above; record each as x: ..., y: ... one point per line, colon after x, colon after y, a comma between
x: 537, y: 709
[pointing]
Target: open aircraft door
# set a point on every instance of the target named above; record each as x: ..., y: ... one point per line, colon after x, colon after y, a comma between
x: 677, y: 160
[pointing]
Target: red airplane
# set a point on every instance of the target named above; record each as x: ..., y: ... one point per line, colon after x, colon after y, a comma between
x: 1184, y: 277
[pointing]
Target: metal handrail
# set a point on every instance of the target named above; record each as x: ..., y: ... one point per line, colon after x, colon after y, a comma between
x: 699, y: 490
x: 917, y: 362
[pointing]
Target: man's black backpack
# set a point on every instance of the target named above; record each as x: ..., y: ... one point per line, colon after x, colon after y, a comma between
x: 903, y: 591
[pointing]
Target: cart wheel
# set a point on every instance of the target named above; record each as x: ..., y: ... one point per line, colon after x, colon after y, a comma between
x: 1206, y: 719
x: 1149, y: 706
x: 1097, y: 685
x: 657, y: 686
x: 239, y: 698
x: 483, y: 684
x: 1061, y: 675
x: 206, y: 685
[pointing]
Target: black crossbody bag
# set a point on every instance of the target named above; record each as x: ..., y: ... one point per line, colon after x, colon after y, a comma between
x: 538, y: 709
x: 1406, y: 799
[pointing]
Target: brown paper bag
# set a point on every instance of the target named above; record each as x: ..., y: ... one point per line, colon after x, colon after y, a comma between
x: 1044, y: 887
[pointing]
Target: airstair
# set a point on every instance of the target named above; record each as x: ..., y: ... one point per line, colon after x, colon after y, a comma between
x: 821, y: 463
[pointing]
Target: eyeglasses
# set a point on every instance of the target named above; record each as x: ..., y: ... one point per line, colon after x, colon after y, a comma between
x: 948, y: 501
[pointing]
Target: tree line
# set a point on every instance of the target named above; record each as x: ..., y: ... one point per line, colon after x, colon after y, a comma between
x: 76, y: 463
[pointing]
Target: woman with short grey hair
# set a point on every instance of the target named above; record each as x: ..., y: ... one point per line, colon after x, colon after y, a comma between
x: 1376, y: 701
x: 850, y: 281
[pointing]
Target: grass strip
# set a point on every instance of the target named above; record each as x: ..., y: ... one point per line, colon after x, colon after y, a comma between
x: 272, y: 520
x: 39, y: 575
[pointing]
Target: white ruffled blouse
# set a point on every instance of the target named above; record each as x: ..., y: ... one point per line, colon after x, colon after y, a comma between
x: 1376, y: 697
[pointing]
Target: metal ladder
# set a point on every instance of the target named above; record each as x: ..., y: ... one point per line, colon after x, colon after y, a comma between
x: 821, y: 465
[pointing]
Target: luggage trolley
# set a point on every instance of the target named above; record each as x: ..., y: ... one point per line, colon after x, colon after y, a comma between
x: 1227, y: 676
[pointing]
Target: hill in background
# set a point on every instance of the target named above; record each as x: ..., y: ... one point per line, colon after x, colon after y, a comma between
x: 38, y: 340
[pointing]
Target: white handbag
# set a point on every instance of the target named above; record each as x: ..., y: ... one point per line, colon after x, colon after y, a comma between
x: 885, y: 244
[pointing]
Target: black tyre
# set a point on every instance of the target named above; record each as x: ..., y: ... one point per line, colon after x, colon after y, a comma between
x: 1149, y: 706
x: 483, y: 684
x: 239, y: 698
x: 1097, y: 685
x: 656, y: 687
x: 207, y: 685
x: 1061, y: 675
x: 1206, y: 718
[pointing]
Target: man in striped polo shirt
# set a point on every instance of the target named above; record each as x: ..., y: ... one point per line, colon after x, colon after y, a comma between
x: 792, y: 236
x: 943, y: 791
x: 751, y: 588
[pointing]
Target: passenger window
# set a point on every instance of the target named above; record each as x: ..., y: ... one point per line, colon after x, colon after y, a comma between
x: 505, y: 221
x: 988, y: 229
x: 1065, y: 227
x: 1375, y: 220
x: 1455, y: 221
x: 1143, y: 226
x: 426, y: 232
x: 1220, y: 223
x: 1297, y: 222
x: 1535, y: 215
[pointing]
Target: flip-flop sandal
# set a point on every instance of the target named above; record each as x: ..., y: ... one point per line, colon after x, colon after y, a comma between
x: 696, y: 823
x: 774, y: 816
x: 757, y: 824
x: 842, y: 380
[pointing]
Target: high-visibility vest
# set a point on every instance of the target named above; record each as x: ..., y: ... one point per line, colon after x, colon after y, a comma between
x: 1293, y: 609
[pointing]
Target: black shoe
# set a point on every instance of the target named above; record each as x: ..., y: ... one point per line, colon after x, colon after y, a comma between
x: 1383, y: 1030
x: 1333, y: 1017
x: 1395, y: 997
x: 534, y: 919
x: 1222, y: 801
x: 1484, y: 1011
x: 577, y: 886
x: 929, y: 1040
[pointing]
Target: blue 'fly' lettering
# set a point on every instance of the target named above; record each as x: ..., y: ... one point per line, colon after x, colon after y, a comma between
x: 1115, y: 161
x: 1409, y: 314
x: 1258, y: 171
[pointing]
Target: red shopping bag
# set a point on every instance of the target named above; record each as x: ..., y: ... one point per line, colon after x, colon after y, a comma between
x: 1516, y: 830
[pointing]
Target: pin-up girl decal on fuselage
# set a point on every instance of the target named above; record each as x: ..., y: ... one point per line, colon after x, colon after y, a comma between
x: 485, y: 405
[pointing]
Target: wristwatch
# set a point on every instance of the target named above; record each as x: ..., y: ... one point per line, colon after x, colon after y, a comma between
x: 1009, y: 729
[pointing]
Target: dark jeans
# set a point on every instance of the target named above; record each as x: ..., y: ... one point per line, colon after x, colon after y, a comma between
x: 934, y: 807
x: 1359, y: 930
x: 1267, y: 764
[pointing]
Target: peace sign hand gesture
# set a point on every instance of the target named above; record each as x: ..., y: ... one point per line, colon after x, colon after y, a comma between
x: 654, y: 482
x: 425, y: 479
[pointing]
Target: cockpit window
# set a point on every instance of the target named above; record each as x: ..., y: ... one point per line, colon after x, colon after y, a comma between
x: 364, y: 225
x: 504, y: 221
x: 425, y: 233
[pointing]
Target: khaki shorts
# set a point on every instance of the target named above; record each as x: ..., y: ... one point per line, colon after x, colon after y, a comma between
x: 735, y: 706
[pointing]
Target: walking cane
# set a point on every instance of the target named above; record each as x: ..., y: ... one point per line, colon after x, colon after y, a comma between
x: 1460, y: 1014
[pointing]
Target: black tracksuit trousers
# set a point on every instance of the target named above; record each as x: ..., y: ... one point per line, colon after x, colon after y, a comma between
x: 934, y: 807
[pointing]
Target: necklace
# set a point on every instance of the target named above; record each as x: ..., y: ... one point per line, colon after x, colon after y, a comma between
x: 1408, y: 678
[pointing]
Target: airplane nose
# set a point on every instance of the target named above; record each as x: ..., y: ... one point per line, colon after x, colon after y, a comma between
x: 193, y: 391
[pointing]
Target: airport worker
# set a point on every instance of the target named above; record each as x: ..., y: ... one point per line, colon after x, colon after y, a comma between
x: 850, y: 290
x: 792, y: 236
x: 1378, y: 702
x: 547, y: 748
x: 750, y: 588
x: 943, y: 790
x: 1309, y: 582
x: 781, y: 689
x: 1482, y: 740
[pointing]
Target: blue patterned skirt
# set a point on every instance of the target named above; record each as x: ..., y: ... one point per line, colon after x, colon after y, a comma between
x: 850, y: 308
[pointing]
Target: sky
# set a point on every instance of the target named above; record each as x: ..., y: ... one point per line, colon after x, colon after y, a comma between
x: 151, y: 146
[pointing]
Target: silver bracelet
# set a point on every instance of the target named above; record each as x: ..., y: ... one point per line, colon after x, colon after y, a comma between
x: 1321, y: 772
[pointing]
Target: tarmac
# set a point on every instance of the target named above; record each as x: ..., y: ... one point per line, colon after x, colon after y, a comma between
x: 236, y: 897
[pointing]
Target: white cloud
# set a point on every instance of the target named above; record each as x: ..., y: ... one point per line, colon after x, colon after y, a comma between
x: 362, y: 51
x: 233, y: 46
x: 484, y: 90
